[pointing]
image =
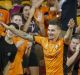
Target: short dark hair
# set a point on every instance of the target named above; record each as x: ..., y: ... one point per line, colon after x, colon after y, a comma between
x: 76, y: 36
x: 21, y: 10
x: 55, y: 22
x: 19, y: 14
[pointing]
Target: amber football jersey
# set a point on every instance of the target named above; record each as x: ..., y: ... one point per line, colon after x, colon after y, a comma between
x: 16, y: 67
x: 53, y: 55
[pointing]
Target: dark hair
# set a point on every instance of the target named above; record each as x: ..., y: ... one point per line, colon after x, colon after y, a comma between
x: 55, y: 22
x: 19, y: 14
x: 14, y: 24
x: 76, y: 36
x: 21, y: 10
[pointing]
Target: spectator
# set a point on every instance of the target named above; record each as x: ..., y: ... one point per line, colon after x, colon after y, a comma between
x: 73, y: 58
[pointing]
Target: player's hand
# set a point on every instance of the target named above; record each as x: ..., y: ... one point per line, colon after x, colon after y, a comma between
x: 71, y: 23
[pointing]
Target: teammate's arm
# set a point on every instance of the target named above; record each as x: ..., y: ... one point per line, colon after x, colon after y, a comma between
x: 18, y: 32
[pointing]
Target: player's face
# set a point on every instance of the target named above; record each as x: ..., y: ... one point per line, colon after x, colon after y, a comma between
x: 18, y: 20
x: 53, y: 32
x: 74, y: 43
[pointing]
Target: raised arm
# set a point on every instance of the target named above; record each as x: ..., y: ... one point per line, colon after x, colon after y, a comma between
x: 25, y: 28
x: 18, y: 32
x: 56, y: 5
x: 72, y: 59
x: 69, y: 32
x: 31, y: 14
x: 40, y: 23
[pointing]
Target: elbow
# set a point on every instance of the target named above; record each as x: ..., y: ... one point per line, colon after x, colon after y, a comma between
x: 68, y: 64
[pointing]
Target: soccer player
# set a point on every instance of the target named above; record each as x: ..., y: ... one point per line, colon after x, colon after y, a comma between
x: 53, y: 45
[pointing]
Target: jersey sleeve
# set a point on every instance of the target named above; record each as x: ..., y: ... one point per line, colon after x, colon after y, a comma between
x: 38, y: 39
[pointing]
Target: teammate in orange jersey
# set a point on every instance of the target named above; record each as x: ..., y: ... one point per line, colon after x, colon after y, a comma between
x: 51, y: 9
x: 53, y: 45
x: 7, y: 50
x: 16, y: 67
x: 49, y: 12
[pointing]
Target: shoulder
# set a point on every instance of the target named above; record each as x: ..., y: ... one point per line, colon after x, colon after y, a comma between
x: 41, y: 37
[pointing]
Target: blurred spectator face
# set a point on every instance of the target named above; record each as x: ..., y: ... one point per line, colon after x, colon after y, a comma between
x: 53, y: 32
x: 17, y: 19
x: 74, y: 43
x: 26, y: 11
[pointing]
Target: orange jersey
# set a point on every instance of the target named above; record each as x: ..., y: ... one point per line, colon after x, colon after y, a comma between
x: 48, y: 15
x: 4, y: 16
x: 2, y: 29
x: 53, y: 55
x: 36, y: 16
x: 16, y: 67
x: 44, y: 9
